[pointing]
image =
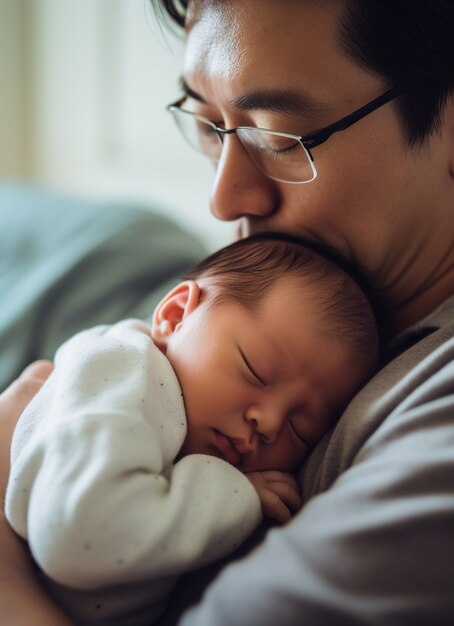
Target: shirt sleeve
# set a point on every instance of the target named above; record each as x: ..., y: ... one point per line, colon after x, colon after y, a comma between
x: 93, y: 485
x: 376, y: 548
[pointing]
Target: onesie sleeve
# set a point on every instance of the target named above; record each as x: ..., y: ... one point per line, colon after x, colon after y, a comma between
x: 94, y: 487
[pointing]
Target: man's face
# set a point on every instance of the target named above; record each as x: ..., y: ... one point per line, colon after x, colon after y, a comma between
x: 372, y: 194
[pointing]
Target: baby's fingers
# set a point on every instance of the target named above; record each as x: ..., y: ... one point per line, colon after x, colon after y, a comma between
x: 274, y: 508
x: 288, y: 493
x: 272, y: 476
x: 285, y: 486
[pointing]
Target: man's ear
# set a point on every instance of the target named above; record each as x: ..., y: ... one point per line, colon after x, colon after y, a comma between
x: 171, y: 311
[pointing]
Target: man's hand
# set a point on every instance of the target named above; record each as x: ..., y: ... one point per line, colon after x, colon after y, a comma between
x: 22, y: 601
x: 278, y: 493
x: 12, y: 402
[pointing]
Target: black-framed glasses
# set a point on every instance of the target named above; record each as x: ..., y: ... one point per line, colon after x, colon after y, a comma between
x: 284, y: 157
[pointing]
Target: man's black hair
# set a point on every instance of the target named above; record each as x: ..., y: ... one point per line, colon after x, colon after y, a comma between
x: 401, y: 41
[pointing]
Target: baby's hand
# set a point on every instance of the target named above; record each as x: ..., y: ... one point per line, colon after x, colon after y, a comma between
x: 278, y: 493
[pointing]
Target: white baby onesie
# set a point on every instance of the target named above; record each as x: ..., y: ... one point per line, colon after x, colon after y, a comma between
x: 110, y: 517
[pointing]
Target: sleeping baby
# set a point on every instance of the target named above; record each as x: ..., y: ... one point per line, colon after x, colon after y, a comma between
x: 151, y: 451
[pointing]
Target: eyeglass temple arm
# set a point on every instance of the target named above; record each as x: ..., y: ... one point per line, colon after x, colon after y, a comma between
x: 320, y: 136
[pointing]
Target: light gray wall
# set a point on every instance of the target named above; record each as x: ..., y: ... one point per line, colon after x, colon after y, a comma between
x: 87, y: 83
x: 14, y: 147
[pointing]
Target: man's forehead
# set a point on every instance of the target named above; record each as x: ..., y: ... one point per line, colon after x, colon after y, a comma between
x: 280, y: 45
x: 262, y: 21
x: 212, y: 41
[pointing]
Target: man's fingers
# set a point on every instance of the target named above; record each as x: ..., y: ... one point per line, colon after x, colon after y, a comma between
x: 12, y: 402
x: 16, y: 397
x: 22, y: 390
x: 38, y: 370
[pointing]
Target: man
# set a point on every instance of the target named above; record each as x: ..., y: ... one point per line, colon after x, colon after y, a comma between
x: 374, y: 542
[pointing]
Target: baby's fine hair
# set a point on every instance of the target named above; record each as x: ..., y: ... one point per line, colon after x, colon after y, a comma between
x: 245, y: 271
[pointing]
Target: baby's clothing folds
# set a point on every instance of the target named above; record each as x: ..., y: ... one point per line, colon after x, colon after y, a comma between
x: 111, y: 518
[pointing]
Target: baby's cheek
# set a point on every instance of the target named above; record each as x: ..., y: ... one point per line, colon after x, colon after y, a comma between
x: 296, y: 460
x: 292, y: 451
x: 285, y: 455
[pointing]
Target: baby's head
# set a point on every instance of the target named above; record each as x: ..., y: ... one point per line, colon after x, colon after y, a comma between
x: 270, y: 338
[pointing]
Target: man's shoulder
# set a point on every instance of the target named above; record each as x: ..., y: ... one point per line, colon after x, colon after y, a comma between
x: 418, y: 374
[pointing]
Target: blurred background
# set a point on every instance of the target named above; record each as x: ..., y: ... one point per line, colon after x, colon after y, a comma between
x: 84, y: 84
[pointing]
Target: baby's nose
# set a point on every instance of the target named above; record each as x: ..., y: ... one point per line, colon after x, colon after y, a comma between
x: 266, y: 421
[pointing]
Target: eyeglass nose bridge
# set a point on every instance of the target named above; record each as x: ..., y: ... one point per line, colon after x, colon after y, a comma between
x: 224, y: 131
x: 232, y: 131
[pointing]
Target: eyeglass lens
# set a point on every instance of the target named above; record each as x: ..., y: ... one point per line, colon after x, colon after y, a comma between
x: 279, y: 157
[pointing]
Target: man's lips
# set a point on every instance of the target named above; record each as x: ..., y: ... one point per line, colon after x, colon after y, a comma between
x: 239, y: 231
x: 242, y: 229
x: 245, y: 228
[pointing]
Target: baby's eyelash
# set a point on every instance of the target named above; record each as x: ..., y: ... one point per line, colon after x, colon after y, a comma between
x: 251, y: 369
x: 298, y: 436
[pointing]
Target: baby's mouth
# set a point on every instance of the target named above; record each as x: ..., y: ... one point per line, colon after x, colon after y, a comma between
x: 226, y: 448
x: 234, y: 451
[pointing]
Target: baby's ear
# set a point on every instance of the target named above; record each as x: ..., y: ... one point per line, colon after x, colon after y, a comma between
x: 172, y: 309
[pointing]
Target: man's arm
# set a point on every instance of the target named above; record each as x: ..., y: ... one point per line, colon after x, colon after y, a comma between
x: 22, y: 601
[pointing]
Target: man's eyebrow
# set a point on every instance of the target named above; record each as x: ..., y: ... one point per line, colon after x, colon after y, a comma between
x: 190, y: 93
x: 279, y: 101
x: 273, y: 100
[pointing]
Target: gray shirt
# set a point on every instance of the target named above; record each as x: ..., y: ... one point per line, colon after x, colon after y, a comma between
x: 374, y: 543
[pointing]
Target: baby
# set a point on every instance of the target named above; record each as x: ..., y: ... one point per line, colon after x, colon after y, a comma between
x: 152, y: 451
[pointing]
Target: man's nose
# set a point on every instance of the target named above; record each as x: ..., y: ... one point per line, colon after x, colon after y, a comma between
x: 267, y: 421
x: 240, y: 189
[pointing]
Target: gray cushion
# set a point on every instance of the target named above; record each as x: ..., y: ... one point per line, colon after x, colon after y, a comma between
x: 66, y: 264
